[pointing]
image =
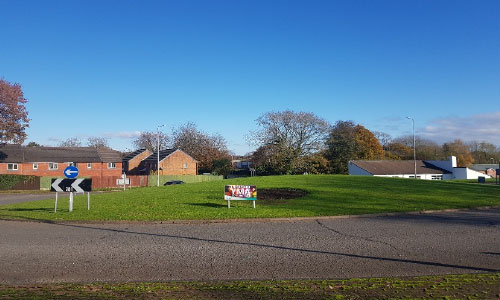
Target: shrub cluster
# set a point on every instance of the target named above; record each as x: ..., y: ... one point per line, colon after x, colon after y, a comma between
x: 9, y: 181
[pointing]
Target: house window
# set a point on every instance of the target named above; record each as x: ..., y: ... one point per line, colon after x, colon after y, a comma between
x: 72, y: 164
x: 53, y: 166
x: 12, y: 167
x: 111, y: 165
x: 413, y: 176
x: 35, y: 166
x: 185, y: 165
x: 437, y: 177
x: 89, y: 165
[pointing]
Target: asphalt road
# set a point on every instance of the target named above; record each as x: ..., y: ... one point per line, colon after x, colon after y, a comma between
x: 22, y: 197
x: 438, y: 243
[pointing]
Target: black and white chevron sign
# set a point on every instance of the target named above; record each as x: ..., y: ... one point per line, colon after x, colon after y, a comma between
x: 79, y: 185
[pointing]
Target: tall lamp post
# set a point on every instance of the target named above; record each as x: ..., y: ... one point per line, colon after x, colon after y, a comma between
x: 414, y: 151
x: 158, y: 158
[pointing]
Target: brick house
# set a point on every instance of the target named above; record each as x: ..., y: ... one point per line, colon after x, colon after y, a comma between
x: 172, y: 162
x: 132, y: 161
x: 51, y: 161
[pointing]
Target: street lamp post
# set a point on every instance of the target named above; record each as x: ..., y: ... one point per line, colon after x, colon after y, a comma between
x: 158, y: 157
x: 414, y: 151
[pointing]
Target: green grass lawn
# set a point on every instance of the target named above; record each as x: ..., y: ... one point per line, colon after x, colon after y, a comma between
x: 328, y: 195
x: 467, y: 287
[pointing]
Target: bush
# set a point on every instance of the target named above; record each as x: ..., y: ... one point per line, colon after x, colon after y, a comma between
x: 7, y: 182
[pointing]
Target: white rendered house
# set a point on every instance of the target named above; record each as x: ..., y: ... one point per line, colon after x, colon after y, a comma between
x: 426, y: 169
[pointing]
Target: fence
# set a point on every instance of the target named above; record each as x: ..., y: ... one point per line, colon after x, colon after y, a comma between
x: 19, y: 182
x: 102, y: 182
x: 110, y: 181
x: 186, y: 178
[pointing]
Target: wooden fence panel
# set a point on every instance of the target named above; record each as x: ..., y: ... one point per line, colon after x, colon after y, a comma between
x: 31, y: 183
x: 100, y: 182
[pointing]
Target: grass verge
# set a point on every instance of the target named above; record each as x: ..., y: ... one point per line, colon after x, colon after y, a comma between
x: 470, y: 286
x: 326, y: 195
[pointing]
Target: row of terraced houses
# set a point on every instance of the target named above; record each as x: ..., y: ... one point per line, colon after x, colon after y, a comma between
x: 51, y: 161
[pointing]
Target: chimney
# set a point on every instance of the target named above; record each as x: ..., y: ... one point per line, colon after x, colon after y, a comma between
x: 453, y: 161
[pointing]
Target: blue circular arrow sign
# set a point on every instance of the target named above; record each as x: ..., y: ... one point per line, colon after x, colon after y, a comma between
x: 71, y: 172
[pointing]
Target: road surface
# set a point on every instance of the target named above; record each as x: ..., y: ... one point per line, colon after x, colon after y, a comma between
x: 23, y: 197
x: 424, y: 244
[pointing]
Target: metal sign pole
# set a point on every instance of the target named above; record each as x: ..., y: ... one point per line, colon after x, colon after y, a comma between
x: 88, y: 200
x: 70, y: 201
x: 55, y: 205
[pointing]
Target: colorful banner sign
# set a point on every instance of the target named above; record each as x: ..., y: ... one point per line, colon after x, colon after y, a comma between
x: 240, y: 192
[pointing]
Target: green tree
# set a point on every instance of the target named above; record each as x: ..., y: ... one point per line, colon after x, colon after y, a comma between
x: 33, y: 144
x: 349, y: 141
x: 222, y: 166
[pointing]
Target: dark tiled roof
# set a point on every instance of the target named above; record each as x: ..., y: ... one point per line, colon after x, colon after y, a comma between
x: 163, y: 153
x: 484, y: 167
x: 20, y: 154
x: 108, y: 155
x: 394, y: 167
x: 133, y: 154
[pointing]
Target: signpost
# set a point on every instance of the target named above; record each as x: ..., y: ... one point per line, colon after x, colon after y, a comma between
x: 71, y: 185
x: 240, y: 192
x: 71, y: 172
x: 124, y: 181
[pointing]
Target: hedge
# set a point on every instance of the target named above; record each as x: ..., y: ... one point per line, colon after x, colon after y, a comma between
x: 9, y: 181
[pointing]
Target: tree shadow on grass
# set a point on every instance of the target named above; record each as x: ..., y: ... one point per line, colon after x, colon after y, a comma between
x: 214, y: 205
x: 28, y: 209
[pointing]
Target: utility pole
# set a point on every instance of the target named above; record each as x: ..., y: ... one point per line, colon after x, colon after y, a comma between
x: 414, y: 151
x: 158, y: 158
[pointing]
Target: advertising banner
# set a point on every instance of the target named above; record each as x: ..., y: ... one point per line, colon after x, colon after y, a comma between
x: 240, y: 192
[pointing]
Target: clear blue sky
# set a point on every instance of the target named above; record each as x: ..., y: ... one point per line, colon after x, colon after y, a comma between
x: 115, y: 68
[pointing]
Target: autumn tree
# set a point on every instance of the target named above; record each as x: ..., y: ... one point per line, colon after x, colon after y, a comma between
x: 398, y: 151
x: 203, y: 147
x: 425, y: 148
x: 14, y: 116
x: 484, y: 152
x: 349, y: 141
x: 312, y: 164
x: 98, y: 142
x: 368, y: 146
x: 458, y: 149
x: 71, y: 142
x: 149, y: 140
x: 285, y: 138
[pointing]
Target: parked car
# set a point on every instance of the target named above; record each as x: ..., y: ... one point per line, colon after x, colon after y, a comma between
x: 171, y: 182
